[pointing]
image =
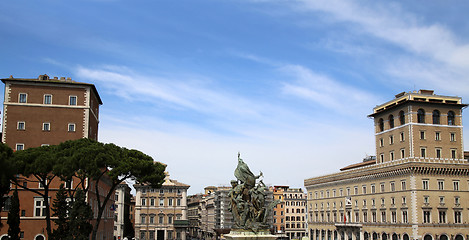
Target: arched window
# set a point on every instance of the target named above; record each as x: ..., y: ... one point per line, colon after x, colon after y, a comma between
x: 436, y: 117
x: 405, y: 236
x: 375, y: 236
x: 443, y: 237
x: 394, y: 236
x: 459, y: 237
x: 421, y: 116
x: 391, y: 121
x: 428, y: 237
x: 401, y: 118
x: 381, y: 124
x: 384, y: 236
x: 451, y: 118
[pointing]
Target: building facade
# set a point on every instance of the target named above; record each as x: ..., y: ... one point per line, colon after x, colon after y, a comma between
x: 122, y: 209
x: 416, y: 188
x: 290, y: 213
x: 48, y: 111
x: 161, y: 214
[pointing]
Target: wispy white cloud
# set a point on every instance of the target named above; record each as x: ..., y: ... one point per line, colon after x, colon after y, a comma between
x: 326, y: 91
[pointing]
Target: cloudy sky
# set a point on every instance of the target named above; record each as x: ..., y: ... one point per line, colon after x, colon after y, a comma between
x: 289, y: 84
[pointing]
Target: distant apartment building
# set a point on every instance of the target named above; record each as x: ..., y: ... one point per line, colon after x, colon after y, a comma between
x: 161, y: 213
x: 416, y: 188
x: 47, y: 111
x: 210, y: 215
x: 122, y: 223
x: 290, y: 213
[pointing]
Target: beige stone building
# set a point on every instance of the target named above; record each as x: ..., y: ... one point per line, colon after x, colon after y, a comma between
x: 122, y: 199
x: 161, y: 213
x: 417, y: 187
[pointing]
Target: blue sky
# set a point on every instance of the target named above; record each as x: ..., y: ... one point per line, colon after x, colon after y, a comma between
x: 289, y: 84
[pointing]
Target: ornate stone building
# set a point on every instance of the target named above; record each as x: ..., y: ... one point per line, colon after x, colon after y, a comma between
x: 161, y: 213
x: 416, y: 188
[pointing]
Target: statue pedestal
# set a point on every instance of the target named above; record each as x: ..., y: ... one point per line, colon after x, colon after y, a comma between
x: 249, y: 235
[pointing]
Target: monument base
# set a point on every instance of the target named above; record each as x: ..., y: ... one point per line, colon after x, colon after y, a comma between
x: 249, y: 235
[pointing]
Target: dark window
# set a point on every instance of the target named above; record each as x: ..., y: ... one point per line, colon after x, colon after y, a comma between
x: 450, y: 118
x: 421, y: 116
x: 391, y: 121
x: 381, y: 125
x: 401, y: 117
x: 436, y: 117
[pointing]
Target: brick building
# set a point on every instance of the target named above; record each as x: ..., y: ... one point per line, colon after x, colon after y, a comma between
x: 47, y: 111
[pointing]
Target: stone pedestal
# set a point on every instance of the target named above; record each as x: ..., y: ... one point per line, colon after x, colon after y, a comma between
x: 249, y: 235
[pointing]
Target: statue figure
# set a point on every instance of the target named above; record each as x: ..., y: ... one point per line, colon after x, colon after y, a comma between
x: 247, y: 198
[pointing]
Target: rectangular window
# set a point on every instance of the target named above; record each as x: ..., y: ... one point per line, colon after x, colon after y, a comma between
x: 426, y: 199
x: 142, y: 219
x: 355, y: 190
x: 383, y: 216
x: 391, y: 155
x: 364, y: 189
x: 403, y: 185
x: 437, y: 136
x: 161, y: 201
x: 457, y: 217
x: 71, y: 127
x: 442, y: 200
x: 373, y: 188
x: 402, y: 136
x: 438, y: 152
x: 72, y: 100
x: 423, y: 152
x: 47, y: 99
x: 382, y: 187
x: 19, y: 146
x: 456, y: 185
x: 152, y: 219
x: 456, y: 200
x: 365, y: 216
x: 404, y: 200
x: 21, y: 125
x: 422, y: 135
x: 405, y: 219
x: 144, y: 201
x: 381, y: 142
x: 45, y: 126
x: 402, y: 153
x: 426, y: 217
x: 442, y: 216
x: 39, y: 207
x: 452, y: 137
x: 152, y: 202
x: 453, y: 153
x: 381, y: 158
x: 170, y: 202
x: 160, y: 219
x: 441, y: 185
x: 393, y: 217
x: 393, y: 186
x: 23, y: 98
x: 391, y: 139
x: 425, y: 184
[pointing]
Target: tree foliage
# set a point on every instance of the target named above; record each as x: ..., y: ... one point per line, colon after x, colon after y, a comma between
x: 90, y: 164
x: 60, y: 209
x: 106, y: 163
x: 14, y: 217
x: 37, y: 165
x: 80, y: 216
x: 7, y: 172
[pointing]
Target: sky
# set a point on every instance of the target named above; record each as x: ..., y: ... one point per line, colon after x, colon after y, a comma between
x: 287, y: 83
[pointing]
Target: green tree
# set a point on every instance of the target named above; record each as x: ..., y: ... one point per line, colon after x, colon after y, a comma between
x: 101, y: 163
x: 80, y: 216
x: 14, y: 217
x: 7, y: 172
x: 36, y: 165
x: 60, y: 209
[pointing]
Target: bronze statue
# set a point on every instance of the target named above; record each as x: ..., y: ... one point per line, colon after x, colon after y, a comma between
x: 247, y: 196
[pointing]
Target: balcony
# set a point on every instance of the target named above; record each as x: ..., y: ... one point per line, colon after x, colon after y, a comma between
x: 181, y: 223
